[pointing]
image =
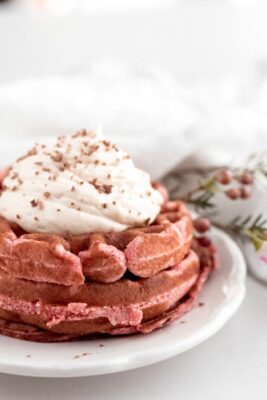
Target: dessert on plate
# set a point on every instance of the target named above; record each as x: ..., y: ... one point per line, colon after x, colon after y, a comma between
x: 88, y: 245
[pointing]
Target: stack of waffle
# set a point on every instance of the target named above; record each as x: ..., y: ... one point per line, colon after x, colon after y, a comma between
x: 138, y: 280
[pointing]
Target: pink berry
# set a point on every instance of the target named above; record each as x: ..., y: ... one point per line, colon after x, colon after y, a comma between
x: 246, y: 178
x: 245, y: 192
x: 204, y: 241
x: 201, y: 225
x: 233, y: 194
x: 225, y: 177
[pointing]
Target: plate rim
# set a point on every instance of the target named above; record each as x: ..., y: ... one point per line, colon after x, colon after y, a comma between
x: 149, y: 357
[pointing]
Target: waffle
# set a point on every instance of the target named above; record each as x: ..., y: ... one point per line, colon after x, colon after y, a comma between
x: 138, y: 280
x: 97, y: 256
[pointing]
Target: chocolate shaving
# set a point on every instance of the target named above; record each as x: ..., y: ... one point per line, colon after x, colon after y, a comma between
x: 30, y: 153
x: 56, y: 156
x: 15, y: 175
x: 101, y: 187
x: 81, y: 133
x: 91, y: 150
x: 37, y: 203
x: 106, y: 143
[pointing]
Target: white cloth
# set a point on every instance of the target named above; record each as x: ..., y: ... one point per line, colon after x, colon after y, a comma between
x: 158, y: 120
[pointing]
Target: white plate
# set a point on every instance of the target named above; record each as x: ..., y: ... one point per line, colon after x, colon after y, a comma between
x: 222, y: 295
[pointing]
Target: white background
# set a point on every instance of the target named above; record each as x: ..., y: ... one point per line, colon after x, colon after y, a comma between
x: 194, y: 41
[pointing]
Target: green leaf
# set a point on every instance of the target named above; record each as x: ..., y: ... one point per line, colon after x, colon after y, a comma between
x: 255, y: 239
x: 209, y: 184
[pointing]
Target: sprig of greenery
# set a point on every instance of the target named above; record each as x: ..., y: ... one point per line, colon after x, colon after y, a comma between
x: 202, y: 202
x: 201, y: 197
x: 248, y: 228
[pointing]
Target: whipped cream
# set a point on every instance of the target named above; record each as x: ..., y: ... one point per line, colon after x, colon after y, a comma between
x: 78, y: 184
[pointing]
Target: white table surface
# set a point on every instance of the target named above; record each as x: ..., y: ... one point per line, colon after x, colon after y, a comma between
x: 230, y: 365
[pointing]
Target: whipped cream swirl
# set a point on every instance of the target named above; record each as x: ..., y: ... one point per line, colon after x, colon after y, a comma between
x: 78, y: 184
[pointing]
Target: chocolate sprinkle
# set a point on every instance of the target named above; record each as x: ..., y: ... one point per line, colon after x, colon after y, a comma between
x: 37, y: 203
x: 56, y: 156
x: 101, y: 187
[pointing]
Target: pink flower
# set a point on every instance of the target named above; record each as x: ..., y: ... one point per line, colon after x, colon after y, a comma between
x: 263, y: 253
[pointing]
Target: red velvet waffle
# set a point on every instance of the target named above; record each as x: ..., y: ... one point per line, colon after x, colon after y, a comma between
x: 55, y: 289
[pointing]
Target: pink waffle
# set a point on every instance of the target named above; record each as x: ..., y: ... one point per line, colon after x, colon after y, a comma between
x: 58, y: 289
x: 100, y: 257
x: 23, y: 326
